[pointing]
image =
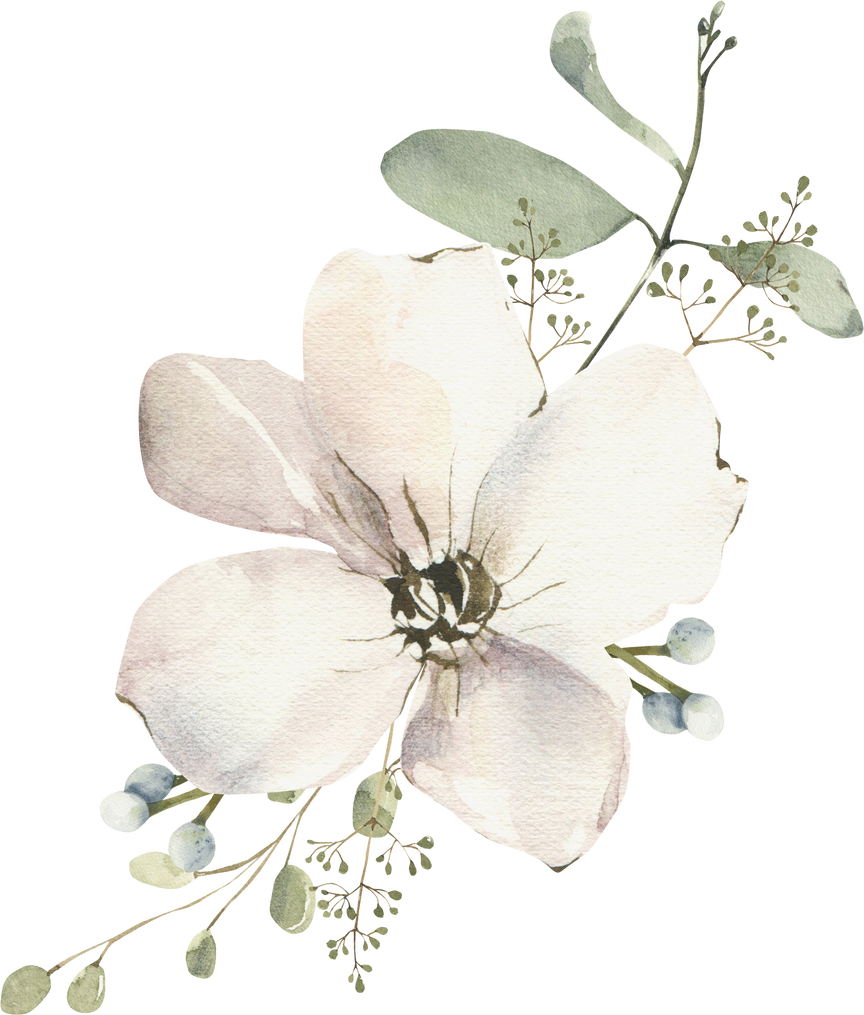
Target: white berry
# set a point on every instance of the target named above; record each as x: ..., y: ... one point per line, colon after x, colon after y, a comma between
x: 690, y: 641
x: 705, y: 717
x: 662, y: 712
x: 192, y: 847
x: 122, y: 812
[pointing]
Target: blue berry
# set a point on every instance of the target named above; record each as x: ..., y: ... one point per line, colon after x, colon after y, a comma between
x: 192, y: 846
x: 151, y: 782
x: 124, y: 812
x: 690, y: 641
x: 662, y: 712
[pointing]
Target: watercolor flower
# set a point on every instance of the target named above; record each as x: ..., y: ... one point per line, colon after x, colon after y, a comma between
x: 489, y: 543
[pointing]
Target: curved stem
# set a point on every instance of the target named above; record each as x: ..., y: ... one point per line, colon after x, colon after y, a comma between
x: 250, y: 865
x: 620, y: 653
x: 264, y: 857
x: 663, y: 242
x: 172, y: 801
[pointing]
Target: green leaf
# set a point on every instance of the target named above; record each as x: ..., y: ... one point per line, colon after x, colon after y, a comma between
x: 807, y: 241
x: 763, y: 219
x: 654, y: 289
x: 714, y: 254
x: 201, y: 954
x: 507, y: 261
x: 568, y: 280
x: 359, y: 985
x: 538, y: 274
x: 395, y: 895
x: 425, y: 862
x: 707, y: 284
x: 467, y: 179
x: 551, y: 319
x: 159, y: 870
x: 726, y: 240
x: 750, y: 227
x: 512, y: 280
x: 24, y: 989
x: 682, y: 272
x: 427, y: 842
x: 86, y: 992
x: 553, y: 233
x: 742, y: 248
x: 523, y: 205
x: 803, y: 184
x: 292, y: 900
x: 575, y: 58
x: 666, y: 271
x: 786, y: 198
x: 824, y: 301
x: 752, y: 312
x: 811, y: 230
x: 362, y: 806
x: 285, y: 798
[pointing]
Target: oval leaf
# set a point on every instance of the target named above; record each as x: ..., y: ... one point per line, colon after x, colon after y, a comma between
x: 292, y: 903
x: 364, y: 807
x: 86, y: 992
x: 24, y: 989
x: 472, y: 180
x: 201, y: 954
x: 154, y: 869
x: 575, y: 58
x: 823, y: 300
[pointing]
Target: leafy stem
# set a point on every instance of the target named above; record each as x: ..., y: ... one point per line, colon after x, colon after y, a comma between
x: 664, y: 241
x: 627, y: 657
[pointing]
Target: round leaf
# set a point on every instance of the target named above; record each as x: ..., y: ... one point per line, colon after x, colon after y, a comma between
x: 285, y: 796
x: 24, y: 989
x: 159, y: 870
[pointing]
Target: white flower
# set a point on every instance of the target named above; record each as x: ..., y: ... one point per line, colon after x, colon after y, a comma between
x: 487, y: 540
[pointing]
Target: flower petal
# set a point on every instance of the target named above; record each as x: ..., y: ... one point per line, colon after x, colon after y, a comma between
x: 616, y: 491
x: 265, y: 671
x: 231, y: 440
x: 537, y: 757
x: 417, y: 373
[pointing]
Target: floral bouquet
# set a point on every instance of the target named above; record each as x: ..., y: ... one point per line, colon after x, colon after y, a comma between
x: 487, y: 546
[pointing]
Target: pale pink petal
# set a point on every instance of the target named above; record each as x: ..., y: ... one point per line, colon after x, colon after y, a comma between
x: 536, y: 758
x: 417, y: 372
x: 231, y: 440
x: 265, y: 671
x: 612, y: 502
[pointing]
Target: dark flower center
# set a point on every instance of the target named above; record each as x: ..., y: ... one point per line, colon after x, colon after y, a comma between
x: 449, y: 601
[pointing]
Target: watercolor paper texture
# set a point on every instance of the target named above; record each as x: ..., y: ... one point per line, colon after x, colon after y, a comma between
x: 491, y: 515
x: 466, y: 179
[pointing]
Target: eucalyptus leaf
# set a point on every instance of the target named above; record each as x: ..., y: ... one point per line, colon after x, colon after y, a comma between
x: 292, y: 899
x: 24, y: 989
x: 471, y: 180
x: 87, y: 991
x: 285, y: 798
x: 201, y: 954
x: 575, y: 58
x: 363, y: 806
x: 823, y: 302
x: 160, y: 871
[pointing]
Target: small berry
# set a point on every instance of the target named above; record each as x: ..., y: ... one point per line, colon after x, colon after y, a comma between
x: 662, y: 712
x: 150, y: 782
x: 690, y: 641
x: 124, y: 812
x: 192, y: 846
x: 703, y: 716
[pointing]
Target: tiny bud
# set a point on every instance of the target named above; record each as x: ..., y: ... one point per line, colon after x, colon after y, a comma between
x: 731, y: 42
x: 703, y: 27
x: 717, y: 10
